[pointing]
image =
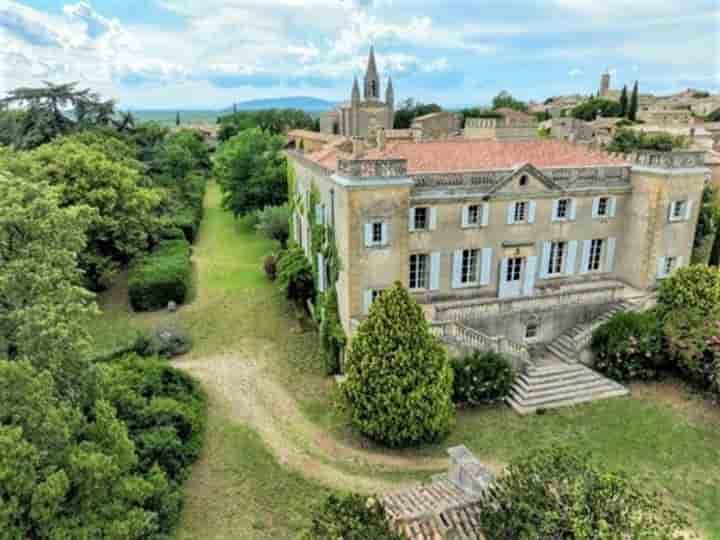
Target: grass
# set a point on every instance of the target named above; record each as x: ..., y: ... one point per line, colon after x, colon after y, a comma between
x: 237, y: 490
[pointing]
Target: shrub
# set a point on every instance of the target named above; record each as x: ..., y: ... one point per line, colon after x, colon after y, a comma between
x: 187, y: 219
x: 693, y: 340
x: 482, y: 377
x: 399, y: 382
x: 161, y: 277
x: 691, y: 287
x: 295, y: 274
x: 168, y: 340
x: 555, y: 493
x: 274, y: 223
x: 172, y: 232
x: 332, y: 335
x: 629, y: 346
x: 351, y: 517
x: 270, y: 266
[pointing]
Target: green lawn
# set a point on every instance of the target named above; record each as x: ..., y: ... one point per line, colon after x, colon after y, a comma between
x: 238, y: 491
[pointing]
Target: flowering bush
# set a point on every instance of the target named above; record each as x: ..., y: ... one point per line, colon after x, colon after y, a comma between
x: 482, y: 377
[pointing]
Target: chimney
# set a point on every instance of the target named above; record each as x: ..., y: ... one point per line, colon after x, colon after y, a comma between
x: 356, y: 147
x: 381, y: 139
x: 467, y: 473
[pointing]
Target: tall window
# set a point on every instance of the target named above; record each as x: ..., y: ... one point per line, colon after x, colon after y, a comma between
x: 469, y: 271
x: 520, y: 211
x: 377, y: 232
x: 473, y: 214
x: 670, y: 264
x: 563, y: 209
x: 419, y: 271
x: 421, y: 218
x: 514, y: 269
x: 603, y: 205
x: 678, y: 210
x: 557, y: 255
x: 594, y: 263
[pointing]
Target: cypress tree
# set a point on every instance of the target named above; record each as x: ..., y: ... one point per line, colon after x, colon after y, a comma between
x: 177, y: 119
x: 632, y: 113
x: 624, y: 102
x: 399, y: 381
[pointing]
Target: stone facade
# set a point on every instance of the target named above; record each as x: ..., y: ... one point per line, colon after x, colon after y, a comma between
x: 523, y: 238
x: 437, y: 125
x: 510, y: 126
x: 363, y: 116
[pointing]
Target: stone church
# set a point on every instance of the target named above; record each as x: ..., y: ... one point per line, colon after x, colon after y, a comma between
x: 362, y: 117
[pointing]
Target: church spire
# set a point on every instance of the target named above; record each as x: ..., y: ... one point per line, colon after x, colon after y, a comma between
x: 390, y: 94
x: 356, y: 91
x: 372, y: 79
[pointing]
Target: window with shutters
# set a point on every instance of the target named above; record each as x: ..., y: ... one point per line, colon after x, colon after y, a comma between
x: 514, y: 269
x: 470, y: 266
x: 557, y: 257
x: 670, y: 264
x: 603, y: 206
x: 421, y: 218
x: 595, y: 260
x: 419, y: 271
x: 377, y: 232
x: 520, y: 211
x: 563, y: 209
x: 473, y: 214
x: 678, y: 210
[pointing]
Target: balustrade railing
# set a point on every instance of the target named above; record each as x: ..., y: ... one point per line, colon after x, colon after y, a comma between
x: 476, y: 340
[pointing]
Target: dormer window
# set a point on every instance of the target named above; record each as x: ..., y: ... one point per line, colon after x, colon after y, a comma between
x: 523, y: 180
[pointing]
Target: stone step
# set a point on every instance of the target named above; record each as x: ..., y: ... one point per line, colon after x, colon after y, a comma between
x: 549, y: 378
x: 560, y: 368
x: 554, y: 384
x: 525, y: 409
x: 561, y: 354
x: 568, y: 394
x: 565, y: 340
x: 534, y: 394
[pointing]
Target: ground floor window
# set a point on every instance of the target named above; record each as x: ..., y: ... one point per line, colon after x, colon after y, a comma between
x: 470, y: 266
x: 514, y: 269
x: 532, y: 330
x: 595, y: 260
x: 557, y: 255
x: 419, y: 271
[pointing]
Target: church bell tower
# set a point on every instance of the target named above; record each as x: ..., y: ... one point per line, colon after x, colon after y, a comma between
x: 372, y: 79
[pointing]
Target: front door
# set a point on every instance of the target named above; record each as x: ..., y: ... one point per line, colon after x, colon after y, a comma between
x: 511, y: 270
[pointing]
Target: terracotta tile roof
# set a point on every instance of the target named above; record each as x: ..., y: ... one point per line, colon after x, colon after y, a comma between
x: 478, y: 155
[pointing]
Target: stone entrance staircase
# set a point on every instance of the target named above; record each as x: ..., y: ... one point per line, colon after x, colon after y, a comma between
x: 567, y: 346
x: 551, y: 383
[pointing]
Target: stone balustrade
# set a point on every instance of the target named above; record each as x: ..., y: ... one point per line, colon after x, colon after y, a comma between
x: 372, y: 168
x: 454, y: 331
x: 680, y: 159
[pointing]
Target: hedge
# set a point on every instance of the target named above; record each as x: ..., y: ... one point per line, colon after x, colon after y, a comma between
x: 482, y: 377
x: 187, y: 219
x: 161, y: 277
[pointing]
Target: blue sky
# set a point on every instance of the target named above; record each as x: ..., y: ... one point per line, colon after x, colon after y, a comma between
x: 209, y: 53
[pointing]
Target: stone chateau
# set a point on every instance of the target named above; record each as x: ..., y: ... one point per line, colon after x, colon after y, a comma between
x: 518, y: 246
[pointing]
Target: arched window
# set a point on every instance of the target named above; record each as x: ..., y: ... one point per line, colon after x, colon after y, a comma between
x: 523, y: 180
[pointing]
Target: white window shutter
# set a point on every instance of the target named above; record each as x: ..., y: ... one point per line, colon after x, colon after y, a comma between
x: 502, y: 292
x: 457, y: 269
x: 434, y: 270
x: 411, y: 220
x: 321, y: 272
x: 486, y: 266
x: 571, y: 258
x: 530, y: 271
x: 610, y: 255
x: 556, y: 206
x: 464, y: 217
x: 585, y: 256
x: 596, y: 207
x: 688, y: 210
x: 327, y: 216
x: 613, y: 206
x: 368, y: 235
x: 679, y: 263
x: 545, y: 261
x: 485, y: 214
x: 531, y: 213
x: 671, y: 211
x: 367, y: 300
x: 511, y: 214
x: 433, y: 218
x: 661, y: 267
x: 385, y: 234
x: 573, y: 209
x: 319, y: 214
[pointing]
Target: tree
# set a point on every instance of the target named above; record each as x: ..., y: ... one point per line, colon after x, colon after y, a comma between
x: 410, y: 110
x: 624, y: 102
x: 505, y: 100
x: 126, y: 213
x: 692, y: 287
x: 251, y: 171
x: 557, y: 493
x: 177, y: 119
x: 274, y: 223
x: 275, y: 121
x: 590, y: 109
x: 399, y: 381
x: 350, y: 517
x: 629, y: 140
x: 714, y: 116
x: 634, y: 104
x: 43, y: 310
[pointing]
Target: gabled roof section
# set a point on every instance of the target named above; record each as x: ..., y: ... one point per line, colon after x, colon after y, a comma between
x: 532, y: 172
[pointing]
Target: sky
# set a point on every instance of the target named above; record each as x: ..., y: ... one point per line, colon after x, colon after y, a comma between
x: 207, y: 54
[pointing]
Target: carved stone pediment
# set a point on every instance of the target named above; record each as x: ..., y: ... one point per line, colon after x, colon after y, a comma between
x: 526, y: 178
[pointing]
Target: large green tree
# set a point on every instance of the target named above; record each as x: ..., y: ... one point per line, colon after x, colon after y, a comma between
x: 126, y: 212
x: 410, y: 109
x: 590, y: 109
x: 251, y: 171
x: 624, y: 102
x: 399, y: 381
x: 505, y: 100
x: 276, y: 121
x: 43, y: 309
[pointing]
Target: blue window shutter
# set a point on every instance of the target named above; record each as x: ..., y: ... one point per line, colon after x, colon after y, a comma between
x: 319, y: 214
x: 368, y: 235
x: 573, y: 209
x: 530, y: 271
x: 661, y: 267
x: 571, y: 258
x: 596, y: 207
x: 434, y: 270
x: 555, y: 207
x: 545, y: 261
x: 613, y: 206
x: 688, y: 210
x: 531, y: 213
x: 367, y: 300
x: 486, y: 266
x: 511, y: 214
x: 433, y: 218
x: 464, y: 216
x: 411, y: 220
x: 610, y: 255
x: 457, y: 269
x: 485, y: 214
x: 585, y: 256
x: 385, y: 234
x: 502, y: 289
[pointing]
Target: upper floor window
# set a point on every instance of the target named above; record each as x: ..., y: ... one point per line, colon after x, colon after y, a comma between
x: 520, y: 211
x: 376, y: 234
x: 667, y: 265
x: 473, y: 214
x: 523, y: 180
x: 423, y: 218
x: 603, y: 206
x: 670, y: 264
x: 680, y: 210
x: 595, y: 260
x: 419, y: 271
x: 557, y: 257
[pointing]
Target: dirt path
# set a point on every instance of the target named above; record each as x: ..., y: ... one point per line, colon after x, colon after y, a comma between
x: 241, y: 390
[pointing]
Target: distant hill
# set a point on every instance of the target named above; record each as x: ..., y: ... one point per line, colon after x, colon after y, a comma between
x: 307, y: 104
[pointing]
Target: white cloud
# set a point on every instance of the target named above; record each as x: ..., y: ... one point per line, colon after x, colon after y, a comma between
x: 575, y: 72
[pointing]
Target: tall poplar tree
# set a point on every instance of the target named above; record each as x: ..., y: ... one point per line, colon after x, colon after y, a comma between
x: 624, y: 102
x: 632, y: 113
